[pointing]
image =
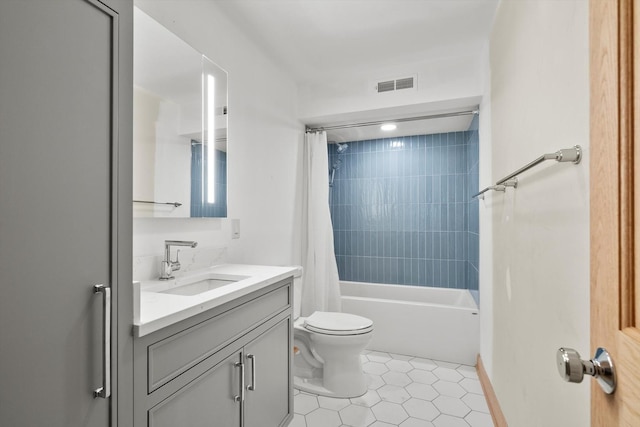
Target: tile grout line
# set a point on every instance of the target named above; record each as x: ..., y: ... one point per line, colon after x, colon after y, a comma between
x: 475, y: 413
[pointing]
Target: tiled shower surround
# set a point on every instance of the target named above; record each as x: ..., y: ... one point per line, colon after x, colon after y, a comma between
x: 198, y: 207
x: 402, y: 211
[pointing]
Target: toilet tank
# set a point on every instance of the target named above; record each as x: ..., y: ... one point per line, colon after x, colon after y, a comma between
x: 297, y: 292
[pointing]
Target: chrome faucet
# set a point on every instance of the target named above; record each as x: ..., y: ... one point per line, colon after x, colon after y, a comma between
x: 169, y: 266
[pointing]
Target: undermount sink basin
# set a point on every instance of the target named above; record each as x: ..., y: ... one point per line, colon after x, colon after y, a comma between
x: 198, y: 287
x: 192, y: 284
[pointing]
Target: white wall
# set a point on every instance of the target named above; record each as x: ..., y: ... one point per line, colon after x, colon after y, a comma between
x: 485, y: 220
x: 448, y: 82
x: 539, y: 104
x: 265, y: 140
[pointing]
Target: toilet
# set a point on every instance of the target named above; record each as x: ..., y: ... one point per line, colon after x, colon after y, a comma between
x: 327, y: 350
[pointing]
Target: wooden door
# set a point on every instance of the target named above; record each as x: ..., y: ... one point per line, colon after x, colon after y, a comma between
x: 62, y: 228
x: 615, y: 205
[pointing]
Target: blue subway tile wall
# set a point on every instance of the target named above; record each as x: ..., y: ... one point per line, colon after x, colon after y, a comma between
x: 400, y: 209
x: 199, y: 208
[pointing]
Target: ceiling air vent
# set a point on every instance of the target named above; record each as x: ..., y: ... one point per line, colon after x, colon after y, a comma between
x: 404, y: 83
x: 396, y: 84
x: 387, y: 86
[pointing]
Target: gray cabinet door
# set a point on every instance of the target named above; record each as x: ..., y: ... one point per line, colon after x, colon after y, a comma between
x: 269, y: 404
x: 58, y: 180
x: 208, y: 401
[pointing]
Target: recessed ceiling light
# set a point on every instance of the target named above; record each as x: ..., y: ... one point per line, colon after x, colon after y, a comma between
x: 388, y: 127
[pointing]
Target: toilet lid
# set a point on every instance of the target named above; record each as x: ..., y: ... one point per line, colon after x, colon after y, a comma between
x: 332, y: 323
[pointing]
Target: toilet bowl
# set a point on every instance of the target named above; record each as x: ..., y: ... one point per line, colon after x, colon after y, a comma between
x: 328, y: 346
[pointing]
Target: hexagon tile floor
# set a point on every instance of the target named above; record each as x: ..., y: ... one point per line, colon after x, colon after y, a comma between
x: 404, y: 391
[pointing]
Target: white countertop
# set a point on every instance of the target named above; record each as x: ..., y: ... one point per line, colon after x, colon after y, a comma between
x: 154, y: 311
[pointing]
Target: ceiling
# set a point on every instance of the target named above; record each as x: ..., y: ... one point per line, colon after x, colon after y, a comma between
x: 319, y: 39
x: 315, y: 38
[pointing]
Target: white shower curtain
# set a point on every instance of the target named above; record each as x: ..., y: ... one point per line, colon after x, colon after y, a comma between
x: 320, y: 284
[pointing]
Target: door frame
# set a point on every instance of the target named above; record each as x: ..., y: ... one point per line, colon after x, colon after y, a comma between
x: 122, y: 214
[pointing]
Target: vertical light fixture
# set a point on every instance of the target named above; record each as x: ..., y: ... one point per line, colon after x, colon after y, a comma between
x: 203, y: 129
x: 211, y: 139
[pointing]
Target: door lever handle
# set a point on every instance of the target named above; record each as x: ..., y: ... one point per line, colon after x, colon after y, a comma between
x: 572, y: 368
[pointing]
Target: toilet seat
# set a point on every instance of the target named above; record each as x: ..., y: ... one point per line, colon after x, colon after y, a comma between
x: 332, y: 323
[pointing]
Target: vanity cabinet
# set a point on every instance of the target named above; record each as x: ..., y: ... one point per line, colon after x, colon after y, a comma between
x: 229, y: 366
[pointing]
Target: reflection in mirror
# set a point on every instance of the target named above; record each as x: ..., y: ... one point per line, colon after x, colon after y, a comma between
x: 180, y: 100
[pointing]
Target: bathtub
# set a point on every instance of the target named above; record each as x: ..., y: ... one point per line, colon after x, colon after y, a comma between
x: 434, y: 323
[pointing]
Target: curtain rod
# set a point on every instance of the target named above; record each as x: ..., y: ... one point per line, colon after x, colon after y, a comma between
x: 404, y: 119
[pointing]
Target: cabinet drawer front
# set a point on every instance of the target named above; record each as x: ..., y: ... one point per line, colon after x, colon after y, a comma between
x: 174, y: 355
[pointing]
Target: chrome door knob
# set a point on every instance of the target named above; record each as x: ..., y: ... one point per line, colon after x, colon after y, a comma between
x: 572, y: 368
x: 570, y: 365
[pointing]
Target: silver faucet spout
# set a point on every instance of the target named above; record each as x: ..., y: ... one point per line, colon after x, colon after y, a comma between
x: 169, y: 243
x: 169, y: 266
x: 191, y: 243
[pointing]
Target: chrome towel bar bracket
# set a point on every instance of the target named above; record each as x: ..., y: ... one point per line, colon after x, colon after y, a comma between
x: 501, y: 187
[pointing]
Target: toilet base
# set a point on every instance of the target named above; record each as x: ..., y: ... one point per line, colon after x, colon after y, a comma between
x: 330, y: 364
x: 341, y: 378
x: 314, y: 385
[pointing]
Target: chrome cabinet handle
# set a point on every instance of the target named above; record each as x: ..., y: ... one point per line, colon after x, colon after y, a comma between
x: 241, y: 397
x: 252, y: 386
x: 105, y: 390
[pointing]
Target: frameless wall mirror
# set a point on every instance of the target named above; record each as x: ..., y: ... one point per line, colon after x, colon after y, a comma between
x: 179, y: 127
